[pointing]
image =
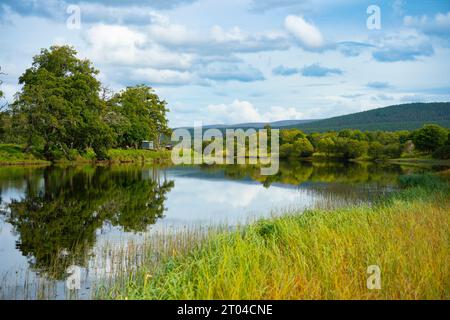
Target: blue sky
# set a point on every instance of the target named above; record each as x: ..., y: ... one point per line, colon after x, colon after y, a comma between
x: 242, y: 61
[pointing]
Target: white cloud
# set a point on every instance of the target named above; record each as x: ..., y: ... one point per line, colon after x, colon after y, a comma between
x: 439, y: 25
x: 215, y: 40
x: 243, y: 111
x: 309, y: 35
x: 122, y: 45
x: 155, y: 76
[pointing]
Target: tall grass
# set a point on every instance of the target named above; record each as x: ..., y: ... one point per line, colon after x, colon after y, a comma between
x: 320, y: 254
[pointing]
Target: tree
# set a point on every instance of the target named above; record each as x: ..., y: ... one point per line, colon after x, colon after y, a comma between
x: 429, y: 138
x: 349, y: 148
x: 145, y: 115
x: 59, y: 104
x: 375, y: 150
x: 327, y: 146
x: 286, y: 150
x: 302, y: 148
x: 290, y: 135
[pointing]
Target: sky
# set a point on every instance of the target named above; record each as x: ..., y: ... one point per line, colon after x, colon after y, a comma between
x: 235, y: 61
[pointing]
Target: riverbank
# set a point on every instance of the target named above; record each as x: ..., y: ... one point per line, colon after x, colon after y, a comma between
x: 319, y: 254
x: 11, y: 154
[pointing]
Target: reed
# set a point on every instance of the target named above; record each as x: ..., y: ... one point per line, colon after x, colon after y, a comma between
x: 319, y: 254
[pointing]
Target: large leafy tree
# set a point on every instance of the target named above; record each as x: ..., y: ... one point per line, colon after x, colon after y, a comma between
x: 59, y: 104
x: 429, y: 138
x: 140, y: 115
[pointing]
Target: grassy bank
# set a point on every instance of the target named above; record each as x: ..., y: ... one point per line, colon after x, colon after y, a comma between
x: 138, y: 155
x: 315, y: 255
x: 11, y: 154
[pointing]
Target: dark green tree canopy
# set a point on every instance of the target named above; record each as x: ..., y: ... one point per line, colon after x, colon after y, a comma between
x: 430, y: 137
x: 60, y: 104
x: 145, y: 115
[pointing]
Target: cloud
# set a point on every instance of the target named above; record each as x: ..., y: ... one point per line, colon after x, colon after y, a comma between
x: 382, y: 97
x: 402, y: 47
x: 216, y: 40
x: 316, y: 70
x: 122, y: 46
x: 378, y: 85
x: 243, y: 111
x: 119, y: 46
x: 227, y: 71
x: 439, y: 25
x: 352, y: 48
x: 284, y: 71
x: 308, y: 35
x: 303, y: 5
x: 133, y: 10
x: 167, y: 77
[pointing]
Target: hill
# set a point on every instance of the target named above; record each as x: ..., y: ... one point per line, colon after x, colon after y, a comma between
x: 393, y: 118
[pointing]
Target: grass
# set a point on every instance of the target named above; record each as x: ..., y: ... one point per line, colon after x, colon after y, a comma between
x: 320, y: 254
x: 138, y: 155
x: 11, y: 154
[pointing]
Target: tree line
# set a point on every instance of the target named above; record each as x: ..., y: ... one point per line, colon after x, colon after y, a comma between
x: 63, y: 110
x: 351, y: 144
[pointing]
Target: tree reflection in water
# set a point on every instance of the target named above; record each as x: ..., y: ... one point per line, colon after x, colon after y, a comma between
x: 59, y: 215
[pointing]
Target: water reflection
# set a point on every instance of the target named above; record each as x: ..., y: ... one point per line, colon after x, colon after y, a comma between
x: 61, y: 210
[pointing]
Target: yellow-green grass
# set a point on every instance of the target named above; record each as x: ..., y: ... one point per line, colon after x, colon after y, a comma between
x: 138, y: 155
x: 14, y: 154
x: 315, y: 255
x: 11, y: 154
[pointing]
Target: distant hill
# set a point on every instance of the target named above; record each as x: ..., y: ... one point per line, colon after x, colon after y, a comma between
x: 255, y: 125
x: 393, y: 118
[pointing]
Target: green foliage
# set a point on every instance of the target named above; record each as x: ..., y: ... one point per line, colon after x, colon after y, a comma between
x: 286, y: 150
x: 290, y: 135
x: 141, y: 114
x: 59, y: 103
x: 379, y: 151
x: 353, y: 144
x: 327, y: 146
x: 430, y: 138
x: 349, y: 148
x: 302, y: 148
x: 59, y: 109
x: 375, y: 150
